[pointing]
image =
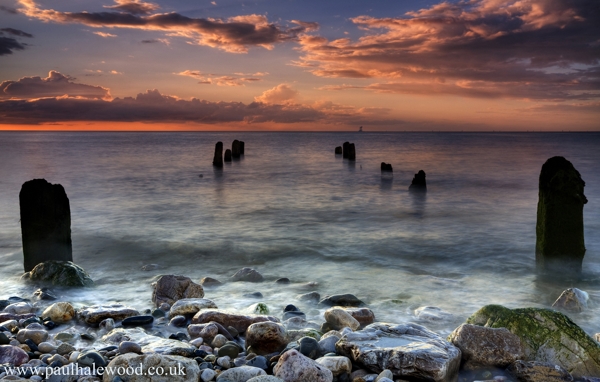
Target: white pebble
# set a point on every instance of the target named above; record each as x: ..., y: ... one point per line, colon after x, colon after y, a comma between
x: 74, y: 356
x: 224, y: 362
x: 46, y: 347
x: 208, y: 375
x: 197, y: 342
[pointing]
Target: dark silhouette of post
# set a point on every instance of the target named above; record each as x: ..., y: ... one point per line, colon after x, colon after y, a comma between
x: 351, y: 152
x: 235, y: 149
x: 386, y: 167
x: 227, y: 155
x: 218, y: 158
x: 242, y: 147
x: 345, y: 149
x: 45, y: 223
x: 560, y: 245
x: 418, y: 182
x: 338, y: 150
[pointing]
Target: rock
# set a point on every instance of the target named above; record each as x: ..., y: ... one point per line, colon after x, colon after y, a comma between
x: 149, y: 343
x: 19, y: 308
x: 386, y: 374
x: 207, y: 375
x: 45, y: 223
x: 261, y: 308
x: 293, y: 314
x: 93, y: 315
x: 13, y: 355
x: 192, y: 306
x: 44, y: 294
x: 258, y: 361
x: 253, y: 295
x: 481, y: 346
x: 46, y: 347
x: 311, y: 296
x: 60, y: 312
x: 224, y: 362
x: 337, y: 365
x: 309, y: 347
x: 204, y: 331
x: 237, y: 321
x: 338, y: 318
x: 282, y: 281
x: 345, y: 149
x: 327, y: 345
x: 218, y: 158
x: 229, y: 350
x: 409, y: 351
x: 59, y: 273
x: 4, y: 340
x: 265, y: 378
x: 364, y: 316
x: 170, y: 288
x: 294, y: 367
x: 218, y: 341
x: 64, y: 348
x: 351, y: 152
x: 418, y: 182
x: 178, y: 321
x: 70, y: 373
x: 210, y: 282
x: 150, y: 267
x: 572, y: 300
x: 266, y: 337
x: 341, y: 300
x: 546, y: 336
x: 539, y: 372
x: 107, y: 324
x: 240, y: 374
x: 227, y: 156
x: 36, y: 335
x: 91, y: 359
x: 235, y: 149
x: 432, y: 314
x: 180, y: 369
x: 247, y: 274
x: 129, y: 347
x: 559, y: 244
x: 386, y: 167
x: 137, y: 321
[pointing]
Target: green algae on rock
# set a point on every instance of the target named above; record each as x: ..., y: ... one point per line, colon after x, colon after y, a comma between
x: 59, y: 273
x: 559, y: 243
x: 546, y: 336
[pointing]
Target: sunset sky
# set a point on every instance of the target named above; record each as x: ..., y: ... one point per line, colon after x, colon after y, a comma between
x: 416, y: 65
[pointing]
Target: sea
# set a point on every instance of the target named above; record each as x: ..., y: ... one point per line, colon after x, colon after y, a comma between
x: 289, y: 207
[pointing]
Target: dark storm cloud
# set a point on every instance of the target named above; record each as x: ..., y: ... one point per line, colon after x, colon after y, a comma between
x: 541, y: 49
x: 55, y: 85
x: 16, y: 32
x: 10, y: 44
x: 12, y: 11
x: 234, y: 34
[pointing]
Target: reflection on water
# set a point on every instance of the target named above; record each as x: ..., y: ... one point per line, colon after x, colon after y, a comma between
x: 137, y: 198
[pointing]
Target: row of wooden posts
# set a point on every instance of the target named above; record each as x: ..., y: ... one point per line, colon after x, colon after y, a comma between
x: 237, y: 150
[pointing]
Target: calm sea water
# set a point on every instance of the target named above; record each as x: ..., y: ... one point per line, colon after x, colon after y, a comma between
x: 291, y: 208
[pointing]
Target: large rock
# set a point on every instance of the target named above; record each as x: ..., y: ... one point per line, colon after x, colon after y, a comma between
x: 294, y: 367
x: 409, y: 351
x: 37, y: 335
x: 337, y: 365
x: 364, y: 316
x: 239, y: 322
x: 59, y: 273
x: 338, y: 318
x: 341, y: 300
x: 546, y: 336
x: 179, y: 369
x: 150, y: 343
x: 572, y: 300
x: 218, y: 158
x: 93, y: 315
x: 59, y: 312
x: 45, y: 223
x: 418, y: 183
x: 170, y: 288
x: 539, y: 372
x: 240, y: 374
x: 481, y: 346
x: 247, y: 274
x: 560, y: 246
x: 266, y: 337
x: 13, y: 355
x: 191, y: 306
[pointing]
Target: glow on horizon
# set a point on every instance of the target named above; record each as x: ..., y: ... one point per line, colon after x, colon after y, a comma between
x: 132, y: 65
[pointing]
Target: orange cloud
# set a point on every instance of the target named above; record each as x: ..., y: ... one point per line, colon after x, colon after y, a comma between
x: 280, y: 94
x: 238, y: 80
x: 536, y: 49
x: 55, y: 85
x: 235, y: 34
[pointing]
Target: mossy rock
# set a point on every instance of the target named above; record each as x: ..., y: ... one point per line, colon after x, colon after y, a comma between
x: 59, y: 273
x: 546, y: 335
x: 261, y: 308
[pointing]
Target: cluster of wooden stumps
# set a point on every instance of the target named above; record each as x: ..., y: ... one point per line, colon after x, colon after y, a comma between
x: 237, y: 150
x: 347, y: 150
x: 560, y: 247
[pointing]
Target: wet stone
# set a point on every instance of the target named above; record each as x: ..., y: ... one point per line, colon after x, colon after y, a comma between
x: 259, y: 361
x: 311, y: 296
x: 309, y: 347
x: 292, y: 314
x: 247, y: 274
x: 178, y: 321
x: 138, y: 321
x: 210, y: 282
x: 45, y: 294
x: 4, y: 340
x: 253, y: 295
x: 91, y: 359
x: 283, y: 281
x: 129, y: 347
x: 341, y: 300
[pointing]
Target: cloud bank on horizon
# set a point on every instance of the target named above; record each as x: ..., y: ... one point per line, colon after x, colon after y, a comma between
x: 515, y: 59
